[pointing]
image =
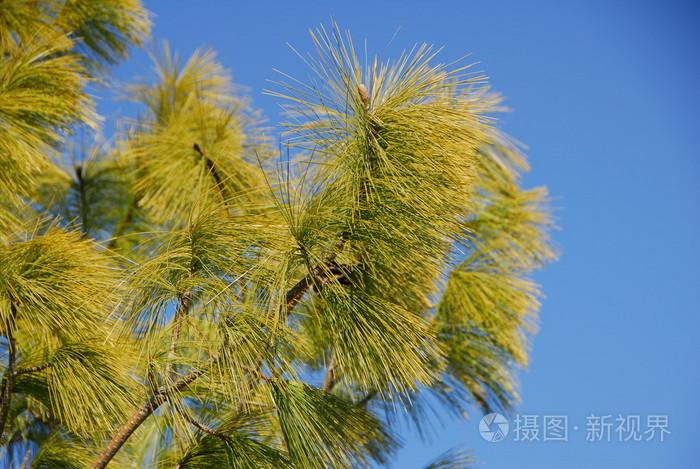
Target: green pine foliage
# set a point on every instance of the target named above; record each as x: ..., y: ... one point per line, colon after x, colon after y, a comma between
x: 175, y: 298
x: 41, y: 96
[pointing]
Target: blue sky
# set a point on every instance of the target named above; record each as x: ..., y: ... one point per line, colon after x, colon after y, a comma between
x: 607, y: 97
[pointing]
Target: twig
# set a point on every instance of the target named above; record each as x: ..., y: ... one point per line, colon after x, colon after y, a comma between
x: 8, y: 379
x: 363, y: 402
x: 31, y: 369
x: 155, y: 401
x: 330, y: 380
x: 183, y: 306
x: 83, y: 199
x: 204, y: 428
x: 218, y: 180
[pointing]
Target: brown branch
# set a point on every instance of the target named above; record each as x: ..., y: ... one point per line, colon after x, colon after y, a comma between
x: 26, y: 458
x: 292, y: 298
x: 155, y: 401
x: 295, y: 293
x: 218, y: 180
x: 205, y: 429
x: 160, y: 396
x: 183, y: 307
x: 365, y: 400
x: 8, y: 379
x: 330, y: 379
x: 31, y: 369
x: 318, y: 276
x: 83, y: 199
x: 184, y: 303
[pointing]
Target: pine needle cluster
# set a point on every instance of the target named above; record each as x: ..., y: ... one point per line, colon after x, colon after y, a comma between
x: 174, y: 299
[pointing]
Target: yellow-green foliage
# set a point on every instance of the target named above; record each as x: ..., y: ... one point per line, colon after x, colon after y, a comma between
x: 104, y: 29
x: 44, y: 48
x: 41, y: 95
x: 489, y: 305
x: 56, y: 293
x: 190, y: 145
x: 175, y: 289
x: 396, y: 152
x: 59, y: 453
x: 342, y: 432
x: 58, y: 283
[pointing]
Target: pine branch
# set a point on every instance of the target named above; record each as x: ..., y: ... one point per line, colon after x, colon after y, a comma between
x: 183, y: 308
x: 140, y: 416
x: 31, y: 369
x: 330, y: 379
x: 292, y: 298
x: 26, y: 458
x: 295, y: 293
x: 205, y: 429
x: 83, y: 199
x: 218, y: 180
x: 8, y: 379
x: 365, y: 400
x: 123, y: 434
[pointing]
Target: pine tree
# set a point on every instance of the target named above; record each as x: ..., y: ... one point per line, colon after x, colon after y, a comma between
x: 185, y: 297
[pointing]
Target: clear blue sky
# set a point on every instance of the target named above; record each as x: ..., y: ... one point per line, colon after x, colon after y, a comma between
x: 607, y: 97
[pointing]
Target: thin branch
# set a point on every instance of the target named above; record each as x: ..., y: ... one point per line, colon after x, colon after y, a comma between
x: 205, y: 429
x: 26, y: 458
x: 8, y: 379
x: 317, y: 277
x: 330, y: 379
x: 123, y: 434
x: 218, y: 180
x: 155, y: 401
x: 295, y: 293
x: 31, y: 369
x: 83, y: 199
x: 292, y: 298
x: 365, y: 400
x: 183, y: 307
